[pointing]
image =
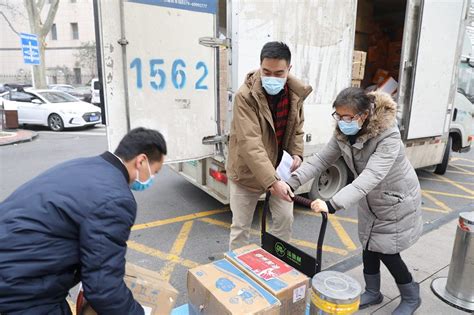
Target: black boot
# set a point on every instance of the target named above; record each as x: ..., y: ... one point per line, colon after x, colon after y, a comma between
x: 372, y: 295
x: 410, y: 295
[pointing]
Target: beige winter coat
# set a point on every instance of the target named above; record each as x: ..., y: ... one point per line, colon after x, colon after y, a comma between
x: 385, y: 190
x: 253, y: 147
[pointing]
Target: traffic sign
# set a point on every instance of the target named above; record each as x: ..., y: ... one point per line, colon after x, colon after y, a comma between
x: 30, y: 49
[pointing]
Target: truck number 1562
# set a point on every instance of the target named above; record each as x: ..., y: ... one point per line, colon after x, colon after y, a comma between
x: 158, y: 78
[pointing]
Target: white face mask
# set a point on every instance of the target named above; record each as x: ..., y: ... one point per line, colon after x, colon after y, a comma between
x: 273, y: 85
x: 138, y: 185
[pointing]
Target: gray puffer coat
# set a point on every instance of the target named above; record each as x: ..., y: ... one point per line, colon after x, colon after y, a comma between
x: 385, y: 190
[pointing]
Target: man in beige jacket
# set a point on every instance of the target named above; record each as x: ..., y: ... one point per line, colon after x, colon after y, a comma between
x: 267, y: 120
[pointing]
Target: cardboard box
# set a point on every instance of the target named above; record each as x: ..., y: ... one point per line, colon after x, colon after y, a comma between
x: 356, y: 83
x: 380, y: 76
x: 155, y: 295
x: 222, y: 288
x: 358, y: 65
x: 286, y: 283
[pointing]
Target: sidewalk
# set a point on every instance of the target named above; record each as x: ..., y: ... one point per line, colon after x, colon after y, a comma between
x: 16, y: 136
x: 428, y: 259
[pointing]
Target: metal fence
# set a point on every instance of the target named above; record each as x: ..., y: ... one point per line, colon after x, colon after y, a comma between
x: 50, y: 79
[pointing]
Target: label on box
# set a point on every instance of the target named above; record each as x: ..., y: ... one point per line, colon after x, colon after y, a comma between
x: 264, y: 264
x: 299, y: 293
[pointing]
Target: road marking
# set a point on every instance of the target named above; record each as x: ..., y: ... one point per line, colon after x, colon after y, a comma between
x: 434, y: 210
x: 447, y: 194
x: 439, y: 180
x: 464, y: 172
x: 437, y: 202
x: 341, y: 232
x: 311, y: 213
x: 177, y: 249
x: 462, y: 165
x: 461, y: 159
x: 187, y: 217
x: 449, y: 181
x: 161, y: 255
x: 326, y: 248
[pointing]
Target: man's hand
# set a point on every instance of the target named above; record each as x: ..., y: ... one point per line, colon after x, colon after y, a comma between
x: 282, y: 190
x: 296, y: 163
x: 319, y: 206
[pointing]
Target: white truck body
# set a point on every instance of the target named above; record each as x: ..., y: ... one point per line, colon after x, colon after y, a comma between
x: 175, y: 66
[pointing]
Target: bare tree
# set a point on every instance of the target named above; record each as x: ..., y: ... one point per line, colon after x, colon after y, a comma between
x: 86, y: 57
x: 41, y: 29
x: 9, y: 11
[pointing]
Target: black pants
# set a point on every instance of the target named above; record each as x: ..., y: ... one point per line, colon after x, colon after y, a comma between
x: 393, y: 262
x: 51, y: 309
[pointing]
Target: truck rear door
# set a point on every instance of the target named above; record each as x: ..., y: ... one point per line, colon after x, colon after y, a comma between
x: 157, y: 75
x: 435, y: 67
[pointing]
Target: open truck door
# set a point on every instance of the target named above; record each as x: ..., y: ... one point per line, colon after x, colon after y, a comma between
x: 156, y: 74
x: 437, y: 56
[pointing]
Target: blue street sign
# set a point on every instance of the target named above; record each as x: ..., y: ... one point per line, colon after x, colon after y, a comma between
x: 30, y: 49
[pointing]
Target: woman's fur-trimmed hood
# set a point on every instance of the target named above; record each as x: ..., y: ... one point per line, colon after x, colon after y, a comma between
x: 384, y: 116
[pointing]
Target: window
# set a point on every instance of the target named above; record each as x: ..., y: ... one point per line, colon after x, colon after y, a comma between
x: 75, y: 31
x: 22, y: 97
x: 54, y: 32
x: 77, y: 76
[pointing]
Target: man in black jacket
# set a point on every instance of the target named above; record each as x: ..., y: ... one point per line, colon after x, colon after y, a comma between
x: 71, y: 224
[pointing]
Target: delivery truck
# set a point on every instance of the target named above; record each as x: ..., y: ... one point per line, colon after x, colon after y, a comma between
x: 175, y: 65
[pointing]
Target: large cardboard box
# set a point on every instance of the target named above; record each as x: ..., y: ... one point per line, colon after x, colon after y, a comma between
x: 221, y: 288
x: 288, y: 284
x: 358, y: 65
x: 155, y: 295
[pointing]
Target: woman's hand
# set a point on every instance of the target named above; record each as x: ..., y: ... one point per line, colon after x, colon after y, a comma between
x: 319, y: 206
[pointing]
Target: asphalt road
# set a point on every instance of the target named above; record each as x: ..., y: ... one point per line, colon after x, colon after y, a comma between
x: 179, y: 226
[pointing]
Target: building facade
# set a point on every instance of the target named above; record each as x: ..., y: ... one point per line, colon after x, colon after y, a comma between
x: 70, y: 44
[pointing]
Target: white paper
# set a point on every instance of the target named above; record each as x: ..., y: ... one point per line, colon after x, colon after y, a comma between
x: 299, y: 293
x: 283, y: 169
x: 147, y: 310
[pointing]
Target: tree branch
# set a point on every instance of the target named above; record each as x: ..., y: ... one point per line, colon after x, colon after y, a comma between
x: 40, y: 5
x: 9, y: 24
x: 50, y: 18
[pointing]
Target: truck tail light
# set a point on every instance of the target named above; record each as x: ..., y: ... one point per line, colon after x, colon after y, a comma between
x: 218, y: 176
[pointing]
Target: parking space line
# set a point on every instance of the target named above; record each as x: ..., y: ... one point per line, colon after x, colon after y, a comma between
x: 449, y: 181
x: 177, y: 249
x: 437, y: 202
x: 311, y: 213
x: 462, y: 165
x: 341, y: 232
x: 439, y: 180
x: 447, y: 194
x: 327, y: 248
x: 469, y: 172
x: 464, y: 172
x: 177, y: 219
x: 434, y: 210
x: 161, y: 255
x: 461, y: 159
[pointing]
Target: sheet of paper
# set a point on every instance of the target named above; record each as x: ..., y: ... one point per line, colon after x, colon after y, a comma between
x: 283, y: 169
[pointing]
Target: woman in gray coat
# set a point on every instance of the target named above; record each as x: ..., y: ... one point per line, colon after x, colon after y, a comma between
x: 385, y: 190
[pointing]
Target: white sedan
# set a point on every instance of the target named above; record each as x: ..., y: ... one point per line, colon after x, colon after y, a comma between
x: 55, y: 109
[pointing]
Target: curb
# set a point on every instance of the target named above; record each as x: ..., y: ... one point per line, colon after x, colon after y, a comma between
x: 29, y: 138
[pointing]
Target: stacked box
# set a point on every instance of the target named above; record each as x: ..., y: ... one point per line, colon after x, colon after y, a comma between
x: 283, y: 281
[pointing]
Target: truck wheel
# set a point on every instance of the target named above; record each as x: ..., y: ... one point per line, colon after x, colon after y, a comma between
x: 330, y: 181
x: 441, y: 168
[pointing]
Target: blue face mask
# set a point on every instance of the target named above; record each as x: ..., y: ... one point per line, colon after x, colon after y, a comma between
x: 350, y: 128
x: 273, y: 85
x: 137, y: 185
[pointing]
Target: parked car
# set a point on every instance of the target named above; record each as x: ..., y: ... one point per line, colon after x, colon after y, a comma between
x: 55, y: 109
x: 95, y: 91
x: 77, y: 92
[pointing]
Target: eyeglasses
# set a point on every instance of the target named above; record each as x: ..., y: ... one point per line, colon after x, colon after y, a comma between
x: 346, y: 118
